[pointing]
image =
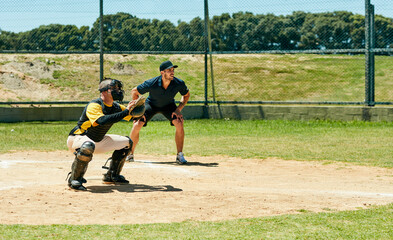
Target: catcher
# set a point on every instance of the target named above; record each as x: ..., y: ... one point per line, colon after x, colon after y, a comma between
x: 89, y: 135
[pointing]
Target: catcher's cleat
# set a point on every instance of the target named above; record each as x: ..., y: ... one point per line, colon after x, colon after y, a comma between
x: 76, y: 185
x: 180, y: 158
x: 83, y: 180
x: 130, y: 158
x: 113, y: 179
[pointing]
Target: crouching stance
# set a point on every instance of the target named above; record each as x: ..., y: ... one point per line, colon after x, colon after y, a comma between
x: 90, y: 136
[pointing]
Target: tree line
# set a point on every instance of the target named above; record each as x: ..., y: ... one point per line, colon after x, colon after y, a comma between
x: 242, y: 31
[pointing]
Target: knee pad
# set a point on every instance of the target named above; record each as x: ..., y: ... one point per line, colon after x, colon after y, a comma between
x: 121, y: 154
x: 85, y: 152
x: 130, y: 141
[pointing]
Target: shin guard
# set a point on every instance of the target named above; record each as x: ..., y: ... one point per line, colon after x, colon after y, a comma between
x: 83, y: 156
x: 116, y: 165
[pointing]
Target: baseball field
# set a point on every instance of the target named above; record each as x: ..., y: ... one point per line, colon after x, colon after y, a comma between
x: 245, y: 180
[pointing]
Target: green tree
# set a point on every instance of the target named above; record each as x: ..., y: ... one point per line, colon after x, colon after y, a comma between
x: 131, y: 35
x: 183, y: 41
x: 383, y: 31
x: 357, y: 29
x: 197, y: 34
x: 8, y: 40
x: 222, y: 32
x: 267, y: 34
x: 111, y: 23
x: 244, y: 23
x: 241, y: 31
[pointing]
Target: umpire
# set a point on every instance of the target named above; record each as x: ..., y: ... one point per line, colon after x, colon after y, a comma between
x: 162, y: 91
x: 89, y: 135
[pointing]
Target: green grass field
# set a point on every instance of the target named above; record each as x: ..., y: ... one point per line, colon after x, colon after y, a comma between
x: 374, y: 223
x: 361, y: 143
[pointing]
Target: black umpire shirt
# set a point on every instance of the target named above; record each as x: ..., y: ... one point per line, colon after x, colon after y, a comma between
x: 158, y: 96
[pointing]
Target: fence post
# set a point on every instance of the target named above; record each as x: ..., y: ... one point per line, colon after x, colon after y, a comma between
x: 209, y: 42
x: 372, y: 56
x: 206, y: 47
x: 369, y: 55
x: 101, y: 40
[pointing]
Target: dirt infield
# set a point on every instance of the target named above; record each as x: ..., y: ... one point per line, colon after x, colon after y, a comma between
x: 33, y: 189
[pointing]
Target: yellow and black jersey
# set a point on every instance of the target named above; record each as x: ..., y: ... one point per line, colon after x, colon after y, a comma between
x: 97, y: 118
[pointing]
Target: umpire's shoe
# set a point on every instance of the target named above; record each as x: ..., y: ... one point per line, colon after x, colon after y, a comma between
x: 180, y: 158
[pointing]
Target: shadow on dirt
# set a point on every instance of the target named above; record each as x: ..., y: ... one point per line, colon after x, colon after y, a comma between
x: 185, y: 165
x: 132, y: 188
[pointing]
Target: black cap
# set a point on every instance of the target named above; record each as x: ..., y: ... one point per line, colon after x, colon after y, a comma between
x: 166, y: 65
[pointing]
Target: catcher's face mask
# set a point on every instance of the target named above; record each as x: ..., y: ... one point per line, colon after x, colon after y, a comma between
x: 116, y: 90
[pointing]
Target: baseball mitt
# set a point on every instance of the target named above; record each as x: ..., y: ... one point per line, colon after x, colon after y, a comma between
x: 139, y: 108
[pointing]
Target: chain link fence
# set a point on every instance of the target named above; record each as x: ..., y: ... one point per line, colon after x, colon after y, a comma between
x: 308, y: 51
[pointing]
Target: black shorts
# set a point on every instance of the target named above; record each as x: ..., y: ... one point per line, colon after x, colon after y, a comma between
x: 167, y: 111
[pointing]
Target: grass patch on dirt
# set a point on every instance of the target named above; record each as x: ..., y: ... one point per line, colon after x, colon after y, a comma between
x: 373, y: 223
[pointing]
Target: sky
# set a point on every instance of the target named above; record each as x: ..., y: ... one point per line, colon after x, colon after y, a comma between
x: 24, y: 15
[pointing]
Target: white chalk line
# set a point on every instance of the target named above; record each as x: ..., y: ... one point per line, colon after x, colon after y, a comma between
x: 4, y: 164
x: 146, y: 164
x: 9, y: 163
x: 151, y: 164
